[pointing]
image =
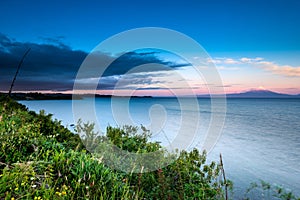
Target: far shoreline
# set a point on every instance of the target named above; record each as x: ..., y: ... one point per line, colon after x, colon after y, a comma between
x: 20, y: 96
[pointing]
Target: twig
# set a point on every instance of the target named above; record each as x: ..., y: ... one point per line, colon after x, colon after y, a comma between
x: 20, y: 63
x: 224, y: 177
x: 1, y: 163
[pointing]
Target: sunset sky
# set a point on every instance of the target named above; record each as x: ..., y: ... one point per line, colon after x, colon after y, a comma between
x: 254, y: 44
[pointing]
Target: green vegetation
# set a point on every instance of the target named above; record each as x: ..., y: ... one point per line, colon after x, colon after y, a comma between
x: 41, y: 159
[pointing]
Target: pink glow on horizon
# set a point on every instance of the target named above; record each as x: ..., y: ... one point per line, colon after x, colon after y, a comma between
x: 166, y: 92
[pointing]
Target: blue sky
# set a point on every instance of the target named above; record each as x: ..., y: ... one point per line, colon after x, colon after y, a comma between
x: 220, y: 26
x: 226, y: 29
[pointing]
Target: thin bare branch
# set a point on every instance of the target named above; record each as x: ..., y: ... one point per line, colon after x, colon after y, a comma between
x: 20, y: 63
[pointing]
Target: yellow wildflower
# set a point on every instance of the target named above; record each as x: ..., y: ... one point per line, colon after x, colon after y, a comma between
x: 58, y: 193
x: 65, y: 187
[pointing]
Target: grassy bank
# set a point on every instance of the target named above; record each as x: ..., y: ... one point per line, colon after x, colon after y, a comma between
x: 41, y: 159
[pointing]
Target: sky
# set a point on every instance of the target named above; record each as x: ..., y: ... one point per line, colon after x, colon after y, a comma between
x: 253, y: 44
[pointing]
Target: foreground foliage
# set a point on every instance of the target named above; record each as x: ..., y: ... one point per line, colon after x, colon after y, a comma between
x: 41, y: 159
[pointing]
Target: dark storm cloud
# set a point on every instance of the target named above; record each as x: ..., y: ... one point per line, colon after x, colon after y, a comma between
x: 54, y: 65
x: 130, y: 60
x: 128, y: 63
x: 46, y: 67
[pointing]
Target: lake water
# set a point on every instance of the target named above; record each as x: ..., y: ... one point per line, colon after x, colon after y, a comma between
x: 260, y: 137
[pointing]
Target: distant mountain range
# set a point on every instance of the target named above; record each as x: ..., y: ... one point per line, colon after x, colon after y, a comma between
x: 256, y: 94
x: 261, y: 94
